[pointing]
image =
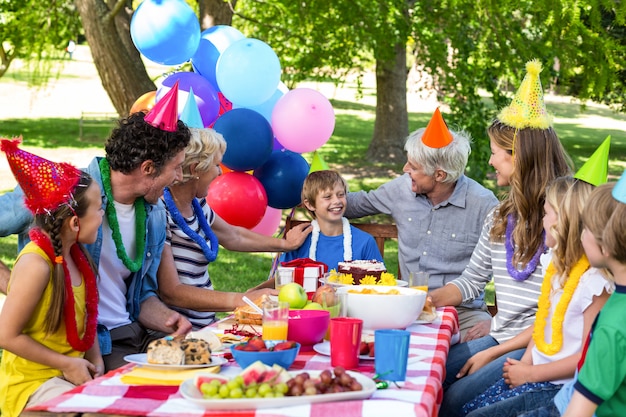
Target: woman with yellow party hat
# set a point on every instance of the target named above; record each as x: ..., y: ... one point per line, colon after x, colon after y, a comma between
x: 527, y: 155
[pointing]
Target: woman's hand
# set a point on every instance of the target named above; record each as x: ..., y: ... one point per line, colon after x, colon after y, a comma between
x: 79, y: 370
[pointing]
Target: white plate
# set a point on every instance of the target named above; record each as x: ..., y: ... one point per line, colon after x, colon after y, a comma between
x: 191, y: 393
x: 399, y: 283
x: 324, y: 349
x: 141, y: 359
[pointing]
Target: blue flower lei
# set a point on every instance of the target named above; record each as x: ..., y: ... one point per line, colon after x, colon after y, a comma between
x: 209, y: 253
x: 508, y: 244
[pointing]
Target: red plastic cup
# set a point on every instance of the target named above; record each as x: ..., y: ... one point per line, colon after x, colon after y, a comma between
x: 345, y: 338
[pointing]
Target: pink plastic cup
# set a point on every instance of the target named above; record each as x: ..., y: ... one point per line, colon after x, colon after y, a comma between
x: 345, y: 338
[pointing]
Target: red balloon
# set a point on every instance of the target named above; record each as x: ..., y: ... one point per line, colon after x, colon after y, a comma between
x: 238, y: 198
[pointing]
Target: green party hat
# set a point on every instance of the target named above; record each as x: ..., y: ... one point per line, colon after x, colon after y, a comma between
x: 596, y: 169
x: 318, y: 163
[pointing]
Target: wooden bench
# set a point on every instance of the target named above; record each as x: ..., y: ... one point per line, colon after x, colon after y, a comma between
x: 94, y: 119
x: 380, y: 232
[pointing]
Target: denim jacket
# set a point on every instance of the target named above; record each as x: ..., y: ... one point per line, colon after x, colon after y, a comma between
x: 143, y: 283
x: 15, y: 218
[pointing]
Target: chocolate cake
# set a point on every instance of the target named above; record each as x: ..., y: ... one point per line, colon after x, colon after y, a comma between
x: 360, y: 268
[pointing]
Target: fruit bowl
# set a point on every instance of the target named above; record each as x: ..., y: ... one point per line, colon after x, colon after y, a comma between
x: 383, y: 307
x: 283, y: 358
x: 307, y: 327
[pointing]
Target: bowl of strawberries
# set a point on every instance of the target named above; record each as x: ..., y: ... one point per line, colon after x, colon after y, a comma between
x: 256, y: 349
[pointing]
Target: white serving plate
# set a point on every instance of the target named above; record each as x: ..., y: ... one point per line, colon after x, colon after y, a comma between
x: 399, y: 283
x: 324, y: 349
x: 141, y: 359
x: 189, y: 391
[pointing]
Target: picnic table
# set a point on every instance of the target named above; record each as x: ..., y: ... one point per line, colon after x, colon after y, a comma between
x: 419, y: 396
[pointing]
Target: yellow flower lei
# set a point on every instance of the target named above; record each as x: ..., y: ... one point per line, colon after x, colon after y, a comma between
x: 559, y: 314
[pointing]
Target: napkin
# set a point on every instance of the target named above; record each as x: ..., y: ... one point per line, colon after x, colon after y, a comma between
x: 140, y: 375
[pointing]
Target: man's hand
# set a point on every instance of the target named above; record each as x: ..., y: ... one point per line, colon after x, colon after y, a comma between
x: 178, y: 323
x: 296, y: 235
x: 479, y: 330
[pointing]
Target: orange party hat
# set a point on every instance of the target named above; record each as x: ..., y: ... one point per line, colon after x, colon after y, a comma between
x: 46, y: 184
x: 437, y: 134
x: 164, y: 114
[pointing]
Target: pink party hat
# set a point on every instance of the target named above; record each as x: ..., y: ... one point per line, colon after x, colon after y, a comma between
x: 191, y: 114
x: 46, y: 184
x: 596, y: 169
x: 164, y: 114
x: 437, y: 134
x: 619, y: 191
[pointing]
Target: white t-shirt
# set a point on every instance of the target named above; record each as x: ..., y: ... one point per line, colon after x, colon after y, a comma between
x: 112, y: 311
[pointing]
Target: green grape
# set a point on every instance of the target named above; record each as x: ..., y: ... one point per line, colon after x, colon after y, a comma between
x: 236, y: 392
x: 232, y: 384
x: 216, y: 382
x: 279, y: 394
x: 281, y: 387
x: 239, y: 380
x: 224, y: 391
x: 269, y: 394
x: 264, y: 389
x: 208, y: 390
x: 251, y: 392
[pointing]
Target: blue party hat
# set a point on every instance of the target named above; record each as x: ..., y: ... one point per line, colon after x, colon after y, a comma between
x: 619, y: 191
x: 191, y: 113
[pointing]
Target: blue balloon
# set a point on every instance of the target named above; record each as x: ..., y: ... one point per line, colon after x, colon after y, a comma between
x: 249, y: 139
x: 282, y: 177
x: 213, y: 42
x: 267, y: 106
x: 205, y: 95
x: 248, y: 72
x: 165, y: 31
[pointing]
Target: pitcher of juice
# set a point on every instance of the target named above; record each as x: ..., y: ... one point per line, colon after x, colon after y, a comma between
x: 275, y: 320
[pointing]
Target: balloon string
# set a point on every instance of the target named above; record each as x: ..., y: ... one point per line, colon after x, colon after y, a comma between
x: 281, y: 234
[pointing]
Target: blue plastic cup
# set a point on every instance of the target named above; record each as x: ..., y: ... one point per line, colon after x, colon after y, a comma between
x: 391, y: 351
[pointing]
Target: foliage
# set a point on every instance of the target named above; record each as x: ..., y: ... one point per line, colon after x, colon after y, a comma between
x: 36, y: 32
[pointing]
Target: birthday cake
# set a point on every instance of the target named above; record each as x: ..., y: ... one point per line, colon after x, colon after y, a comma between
x: 359, y: 269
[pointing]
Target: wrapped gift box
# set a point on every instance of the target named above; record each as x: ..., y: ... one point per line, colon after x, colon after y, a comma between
x: 307, y: 272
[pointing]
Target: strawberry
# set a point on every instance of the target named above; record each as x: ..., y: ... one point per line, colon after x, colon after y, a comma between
x: 285, y: 345
x: 364, y: 348
x: 371, y: 346
x: 256, y: 343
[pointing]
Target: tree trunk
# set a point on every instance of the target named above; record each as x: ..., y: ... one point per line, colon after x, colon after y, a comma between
x: 392, y: 119
x: 216, y: 12
x: 121, y: 70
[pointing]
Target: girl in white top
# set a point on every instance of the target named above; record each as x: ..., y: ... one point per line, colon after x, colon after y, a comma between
x: 572, y: 294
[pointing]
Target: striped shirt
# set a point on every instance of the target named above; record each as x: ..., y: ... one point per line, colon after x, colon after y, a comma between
x: 517, y: 300
x: 191, y: 263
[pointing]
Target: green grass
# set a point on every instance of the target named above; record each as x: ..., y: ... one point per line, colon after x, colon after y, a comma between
x: 354, y: 125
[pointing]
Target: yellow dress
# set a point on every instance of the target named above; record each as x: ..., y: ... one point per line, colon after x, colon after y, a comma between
x: 20, y: 378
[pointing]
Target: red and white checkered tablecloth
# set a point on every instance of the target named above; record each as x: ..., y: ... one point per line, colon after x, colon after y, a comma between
x: 420, y: 395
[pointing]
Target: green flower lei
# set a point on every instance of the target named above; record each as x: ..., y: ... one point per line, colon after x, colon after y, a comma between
x: 140, y: 222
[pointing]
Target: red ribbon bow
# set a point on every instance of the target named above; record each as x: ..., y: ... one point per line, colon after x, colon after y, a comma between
x: 300, y: 264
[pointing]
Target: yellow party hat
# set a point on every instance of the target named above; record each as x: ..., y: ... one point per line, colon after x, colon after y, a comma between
x: 527, y: 108
x: 596, y: 169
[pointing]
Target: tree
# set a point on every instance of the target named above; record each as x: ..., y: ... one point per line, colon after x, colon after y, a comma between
x: 37, y: 33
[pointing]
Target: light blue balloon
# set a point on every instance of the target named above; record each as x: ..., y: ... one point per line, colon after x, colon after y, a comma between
x: 165, y: 31
x: 265, y: 108
x: 248, y: 72
x: 213, y: 42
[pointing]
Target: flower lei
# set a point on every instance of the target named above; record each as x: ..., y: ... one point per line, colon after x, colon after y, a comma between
x: 91, y: 292
x: 347, y: 239
x: 541, y: 317
x: 140, y: 222
x: 508, y: 244
x: 210, y: 253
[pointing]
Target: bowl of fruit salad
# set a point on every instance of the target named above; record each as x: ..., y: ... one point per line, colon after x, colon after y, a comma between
x: 255, y: 349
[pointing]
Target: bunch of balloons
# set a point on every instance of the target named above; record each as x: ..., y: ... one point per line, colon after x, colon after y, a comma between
x: 237, y: 88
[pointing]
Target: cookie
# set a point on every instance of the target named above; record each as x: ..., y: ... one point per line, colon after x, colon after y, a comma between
x: 197, y: 351
x: 165, y: 351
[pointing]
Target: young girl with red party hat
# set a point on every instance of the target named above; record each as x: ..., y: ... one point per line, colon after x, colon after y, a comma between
x: 50, y: 313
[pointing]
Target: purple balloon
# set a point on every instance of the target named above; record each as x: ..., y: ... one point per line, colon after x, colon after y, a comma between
x: 205, y: 95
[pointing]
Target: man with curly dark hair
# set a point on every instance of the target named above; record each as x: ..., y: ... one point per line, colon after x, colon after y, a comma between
x: 141, y: 160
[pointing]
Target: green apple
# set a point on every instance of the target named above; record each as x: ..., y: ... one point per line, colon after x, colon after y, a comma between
x: 313, y: 306
x: 294, y: 294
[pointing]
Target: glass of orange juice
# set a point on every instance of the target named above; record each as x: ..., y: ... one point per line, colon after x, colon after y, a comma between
x: 275, y: 320
x: 419, y: 280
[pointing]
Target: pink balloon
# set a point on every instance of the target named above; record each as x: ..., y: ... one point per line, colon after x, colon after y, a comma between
x: 270, y: 222
x: 303, y: 120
